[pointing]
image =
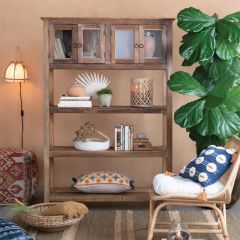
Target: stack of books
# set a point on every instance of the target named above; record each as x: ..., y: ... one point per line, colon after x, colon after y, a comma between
x: 66, y: 101
x: 59, y: 50
x: 123, y: 138
x: 142, y: 144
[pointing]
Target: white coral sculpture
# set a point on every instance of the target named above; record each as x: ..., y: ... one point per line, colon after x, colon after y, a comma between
x: 92, y: 82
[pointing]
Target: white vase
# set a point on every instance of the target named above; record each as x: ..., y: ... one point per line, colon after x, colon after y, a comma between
x: 105, y: 100
x: 149, y: 45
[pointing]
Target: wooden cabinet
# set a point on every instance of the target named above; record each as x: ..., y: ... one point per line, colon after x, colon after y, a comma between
x: 104, y: 44
x: 138, y: 44
x: 79, y: 43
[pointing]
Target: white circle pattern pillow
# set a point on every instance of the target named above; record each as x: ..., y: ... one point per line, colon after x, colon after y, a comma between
x: 209, y: 166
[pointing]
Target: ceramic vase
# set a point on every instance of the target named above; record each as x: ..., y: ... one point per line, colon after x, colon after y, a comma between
x: 105, y: 100
x: 149, y: 45
x: 76, y: 90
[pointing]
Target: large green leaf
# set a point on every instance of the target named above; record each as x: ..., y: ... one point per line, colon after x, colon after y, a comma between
x: 193, y: 20
x: 228, y: 30
x: 219, y: 121
x: 190, y: 114
x: 229, y: 122
x: 218, y: 67
x: 202, y: 76
x: 184, y: 83
x: 209, y: 123
x: 232, y: 101
x: 222, y: 86
x: 234, y: 17
x: 198, y: 46
x: 226, y: 49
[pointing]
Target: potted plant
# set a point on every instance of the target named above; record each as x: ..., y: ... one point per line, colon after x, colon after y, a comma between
x: 105, y: 97
x: 215, y: 45
x: 85, y: 139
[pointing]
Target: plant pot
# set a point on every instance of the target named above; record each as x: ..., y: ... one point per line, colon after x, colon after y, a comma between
x: 105, y: 100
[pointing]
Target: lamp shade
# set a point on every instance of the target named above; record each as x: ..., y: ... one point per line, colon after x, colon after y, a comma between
x: 15, y: 72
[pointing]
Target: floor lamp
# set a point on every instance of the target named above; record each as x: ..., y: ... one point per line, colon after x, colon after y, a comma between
x: 16, y: 72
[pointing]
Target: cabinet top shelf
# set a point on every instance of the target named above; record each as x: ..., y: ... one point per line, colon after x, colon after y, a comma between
x: 106, y: 20
x: 111, y: 109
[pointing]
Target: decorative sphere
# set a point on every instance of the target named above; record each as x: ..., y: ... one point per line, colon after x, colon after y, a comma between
x: 76, y: 90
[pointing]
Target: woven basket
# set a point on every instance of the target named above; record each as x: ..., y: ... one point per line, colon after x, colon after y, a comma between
x: 47, y: 223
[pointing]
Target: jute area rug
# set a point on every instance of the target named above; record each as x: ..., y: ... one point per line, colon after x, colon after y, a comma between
x: 132, y: 225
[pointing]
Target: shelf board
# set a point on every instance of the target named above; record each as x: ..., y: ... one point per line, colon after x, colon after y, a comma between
x: 103, y: 66
x: 111, y: 109
x: 140, y: 194
x: 69, y: 151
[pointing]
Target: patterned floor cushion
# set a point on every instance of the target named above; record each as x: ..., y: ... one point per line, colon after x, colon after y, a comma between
x: 18, y: 175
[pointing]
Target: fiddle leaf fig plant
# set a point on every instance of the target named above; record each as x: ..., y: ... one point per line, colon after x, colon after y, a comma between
x: 215, y: 45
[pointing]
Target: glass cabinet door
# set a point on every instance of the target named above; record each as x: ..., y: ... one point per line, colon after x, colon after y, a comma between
x: 124, y: 44
x: 153, y: 44
x: 92, y: 43
x: 63, y: 43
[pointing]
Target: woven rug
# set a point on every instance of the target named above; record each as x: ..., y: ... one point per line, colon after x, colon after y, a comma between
x: 132, y: 225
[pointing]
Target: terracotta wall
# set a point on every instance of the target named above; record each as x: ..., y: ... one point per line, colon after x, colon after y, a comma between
x: 20, y: 24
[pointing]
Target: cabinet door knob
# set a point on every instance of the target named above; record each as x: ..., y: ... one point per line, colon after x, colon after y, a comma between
x: 75, y: 45
x: 136, y: 45
x: 141, y: 45
x: 79, y: 45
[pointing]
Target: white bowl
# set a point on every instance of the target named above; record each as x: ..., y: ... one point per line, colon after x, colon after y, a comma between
x: 92, y: 144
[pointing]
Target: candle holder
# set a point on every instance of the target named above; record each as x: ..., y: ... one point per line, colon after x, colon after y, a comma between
x: 179, y: 231
x: 141, y: 92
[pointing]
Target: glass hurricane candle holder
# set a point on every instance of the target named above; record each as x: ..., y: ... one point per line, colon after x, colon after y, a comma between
x: 141, y: 92
x: 179, y: 231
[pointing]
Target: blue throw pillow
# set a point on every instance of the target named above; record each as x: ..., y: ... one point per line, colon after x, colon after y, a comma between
x: 11, y: 231
x: 209, y: 166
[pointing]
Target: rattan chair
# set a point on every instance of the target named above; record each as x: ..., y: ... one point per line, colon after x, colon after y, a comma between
x: 216, y: 202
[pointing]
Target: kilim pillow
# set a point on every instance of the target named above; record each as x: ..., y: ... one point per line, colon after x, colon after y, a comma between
x: 11, y: 231
x: 103, y: 182
x: 209, y: 166
x: 18, y: 175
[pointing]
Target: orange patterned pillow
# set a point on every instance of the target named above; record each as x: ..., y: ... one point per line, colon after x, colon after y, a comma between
x: 103, y: 182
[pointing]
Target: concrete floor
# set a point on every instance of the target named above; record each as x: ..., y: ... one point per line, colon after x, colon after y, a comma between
x: 235, y: 209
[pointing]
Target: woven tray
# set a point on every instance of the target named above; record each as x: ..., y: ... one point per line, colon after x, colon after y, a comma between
x: 47, y: 223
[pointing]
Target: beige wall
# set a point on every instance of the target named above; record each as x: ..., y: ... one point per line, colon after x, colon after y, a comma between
x: 20, y: 24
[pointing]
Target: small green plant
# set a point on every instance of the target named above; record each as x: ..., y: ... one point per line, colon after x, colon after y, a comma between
x: 104, y: 91
x: 85, y: 131
x: 19, y: 208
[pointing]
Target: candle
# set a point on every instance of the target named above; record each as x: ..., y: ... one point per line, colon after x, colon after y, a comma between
x: 141, y: 92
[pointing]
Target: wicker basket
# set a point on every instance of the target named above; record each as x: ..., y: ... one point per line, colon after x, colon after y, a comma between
x: 47, y: 223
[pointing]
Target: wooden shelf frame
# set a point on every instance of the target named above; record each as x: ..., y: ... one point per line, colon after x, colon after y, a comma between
x: 69, y: 151
x: 111, y: 109
x: 50, y: 110
x: 70, y: 194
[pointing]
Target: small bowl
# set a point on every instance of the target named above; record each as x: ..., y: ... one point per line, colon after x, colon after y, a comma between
x: 92, y: 144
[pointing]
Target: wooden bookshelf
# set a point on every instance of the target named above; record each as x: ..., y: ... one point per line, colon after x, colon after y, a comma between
x: 70, y: 30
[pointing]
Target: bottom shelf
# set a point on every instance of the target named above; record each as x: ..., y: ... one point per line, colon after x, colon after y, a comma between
x: 140, y: 194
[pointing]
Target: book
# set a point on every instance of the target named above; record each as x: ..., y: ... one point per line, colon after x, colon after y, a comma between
x: 59, y: 47
x: 69, y: 98
x: 75, y: 104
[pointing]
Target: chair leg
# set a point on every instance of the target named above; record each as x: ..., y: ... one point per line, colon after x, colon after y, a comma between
x: 152, y: 223
x: 151, y: 210
x: 222, y: 222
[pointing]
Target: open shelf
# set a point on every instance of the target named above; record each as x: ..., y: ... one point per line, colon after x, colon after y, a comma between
x: 111, y: 109
x: 69, y: 151
x: 140, y: 194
